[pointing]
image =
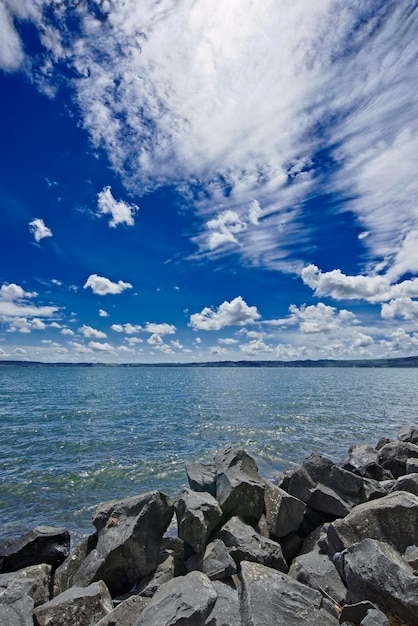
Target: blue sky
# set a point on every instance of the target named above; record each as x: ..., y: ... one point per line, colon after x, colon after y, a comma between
x: 193, y: 180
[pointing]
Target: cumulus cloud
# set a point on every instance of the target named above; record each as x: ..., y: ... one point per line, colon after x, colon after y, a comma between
x: 91, y: 333
x: 121, y: 212
x: 39, y: 230
x: 23, y: 325
x: 160, y: 329
x: 256, y: 347
x: 100, y: 347
x: 234, y: 313
x: 320, y: 318
x: 103, y: 286
x: 405, y: 308
x: 128, y: 329
x: 14, y: 303
x: 103, y: 313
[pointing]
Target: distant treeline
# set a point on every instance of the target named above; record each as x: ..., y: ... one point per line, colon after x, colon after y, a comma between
x: 410, y: 361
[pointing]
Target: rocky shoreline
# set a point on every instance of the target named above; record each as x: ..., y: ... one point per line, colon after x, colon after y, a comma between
x: 325, y: 544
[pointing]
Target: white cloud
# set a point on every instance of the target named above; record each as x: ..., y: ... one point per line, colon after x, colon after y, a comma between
x: 103, y: 286
x: 128, y: 329
x: 121, y: 212
x: 39, y: 230
x: 155, y: 340
x: 320, y: 318
x: 227, y: 341
x: 23, y: 325
x: 256, y: 347
x: 103, y: 313
x: 13, y: 303
x: 91, y: 333
x: 176, y: 344
x: 11, y: 53
x: 160, y: 329
x: 68, y: 332
x: 234, y: 313
x: 405, y: 308
x: 100, y: 347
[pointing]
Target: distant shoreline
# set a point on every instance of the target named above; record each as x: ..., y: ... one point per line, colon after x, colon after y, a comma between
x: 411, y: 361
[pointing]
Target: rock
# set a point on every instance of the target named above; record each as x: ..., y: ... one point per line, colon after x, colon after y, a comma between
x: 168, y: 567
x: 202, y: 477
x: 38, y: 575
x: 411, y: 557
x: 269, y: 598
x: 375, y: 571
x: 216, y: 562
x: 284, y: 513
x: 409, y: 483
x: 392, y: 519
x: 78, y: 606
x: 412, y: 466
x: 63, y: 577
x: 297, y: 483
x: 126, y: 613
x: 325, y: 500
x: 245, y: 544
x: 198, y: 515
x: 226, y: 611
x: 184, y: 600
x: 16, y: 604
x: 362, y: 460
x: 394, y: 456
x: 360, y: 611
x: 382, y: 442
x: 239, y: 487
x: 290, y: 545
x: 408, y: 433
x: 43, y: 544
x: 128, y: 545
x: 310, y: 543
x: 374, y: 617
x: 318, y: 571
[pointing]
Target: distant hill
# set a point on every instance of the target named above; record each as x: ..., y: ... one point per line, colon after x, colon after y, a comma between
x: 410, y: 361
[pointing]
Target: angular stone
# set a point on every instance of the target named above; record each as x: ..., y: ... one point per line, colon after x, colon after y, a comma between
x: 216, y: 562
x: 411, y: 557
x: 129, y: 538
x: 297, y: 483
x: 394, y: 456
x: 316, y: 570
x: 38, y: 575
x: 375, y: 571
x: 43, y: 544
x: 269, y: 598
x: 202, y: 477
x: 16, y: 604
x: 412, y: 466
x: 168, y: 567
x: 63, y: 577
x: 244, y: 543
x: 198, y: 515
x: 290, y: 545
x: 226, y: 611
x: 327, y: 501
x: 184, y: 600
x: 359, y: 457
x: 392, y: 519
x: 356, y: 613
x: 81, y: 606
x: 408, y: 433
x: 409, y: 483
x: 374, y: 617
x: 310, y: 543
x: 231, y: 458
x: 284, y: 513
x: 126, y: 613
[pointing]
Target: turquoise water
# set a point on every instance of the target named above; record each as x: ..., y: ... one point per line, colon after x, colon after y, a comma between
x: 73, y: 437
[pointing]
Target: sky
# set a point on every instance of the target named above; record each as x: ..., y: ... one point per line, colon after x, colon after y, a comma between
x: 208, y: 180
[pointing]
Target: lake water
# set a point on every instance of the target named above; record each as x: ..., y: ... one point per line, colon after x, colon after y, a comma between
x: 71, y: 437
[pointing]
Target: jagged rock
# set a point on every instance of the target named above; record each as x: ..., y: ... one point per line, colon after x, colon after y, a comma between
x: 198, y: 515
x: 43, y: 544
x: 81, y: 606
x: 374, y: 489
x: 326, y: 500
x: 394, y: 456
x: 38, y: 575
x: 361, y: 613
x: 409, y: 482
x: 269, y: 598
x: 226, y: 611
x: 239, y: 487
x: 297, y: 483
x: 392, y: 519
x: 284, y: 513
x: 129, y: 538
x: 290, y: 545
x: 375, y: 617
x: 262, y: 527
x: 312, y: 520
x: 408, y: 433
x: 375, y: 571
x: 216, y: 562
x: 63, y: 577
x: 382, y: 442
x: 168, y: 567
x: 126, y: 613
x: 411, y: 557
x: 16, y: 603
x: 318, y: 571
x: 184, y: 600
x: 244, y: 543
x: 362, y: 460
x: 310, y: 543
x: 202, y: 477
x: 412, y: 466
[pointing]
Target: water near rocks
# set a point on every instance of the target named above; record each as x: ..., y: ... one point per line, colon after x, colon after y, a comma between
x: 71, y: 437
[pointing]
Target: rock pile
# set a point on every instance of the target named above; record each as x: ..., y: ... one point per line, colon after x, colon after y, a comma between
x: 325, y: 544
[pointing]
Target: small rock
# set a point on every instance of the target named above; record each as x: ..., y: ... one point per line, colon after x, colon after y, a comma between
x: 198, y: 515
x: 43, y: 544
x: 216, y: 562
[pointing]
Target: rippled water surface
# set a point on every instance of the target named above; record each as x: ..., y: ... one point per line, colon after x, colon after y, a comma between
x: 73, y: 437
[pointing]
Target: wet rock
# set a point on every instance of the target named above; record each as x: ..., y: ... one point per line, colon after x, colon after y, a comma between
x: 184, y: 600
x: 318, y: 571
x: 284, y: 513
x: 43, y: 544
x: 198, y: 515
x: 128, y: 545
x: 269, y: 598
x: 63, y: 577
x: 81, y: 606
x: 216, y: 562
x: 375, y: 571
x: 202, y: 477
x: 394, y: 456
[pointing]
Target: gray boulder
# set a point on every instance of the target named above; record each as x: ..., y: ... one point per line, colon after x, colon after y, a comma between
x: 327, y: 501
x: 216, y: 562
x: 168, y: 567
x: 184, y: 600
x: 202, y: 477
x: 364, y: 613
x: 394, y: 456
x: 362, y: 460
x: 412, y: 466
x: 226, y: 611
x: 316, y: 570
x: 411, y: 557
x: 375, y: 571
x: 63, y: 577
x: 128, y: 545
x: 409, y: 433
x: 38, y: 575
x: 16, y: 603
x: 284, y: 513
x: 409, y: 482
x: 245, y: 544
x: 198, y: 515
x: 43, y: 544
x: 392, y: 519
x: 126, y: 613
x: 81, y: 606
x: 269, y: 598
